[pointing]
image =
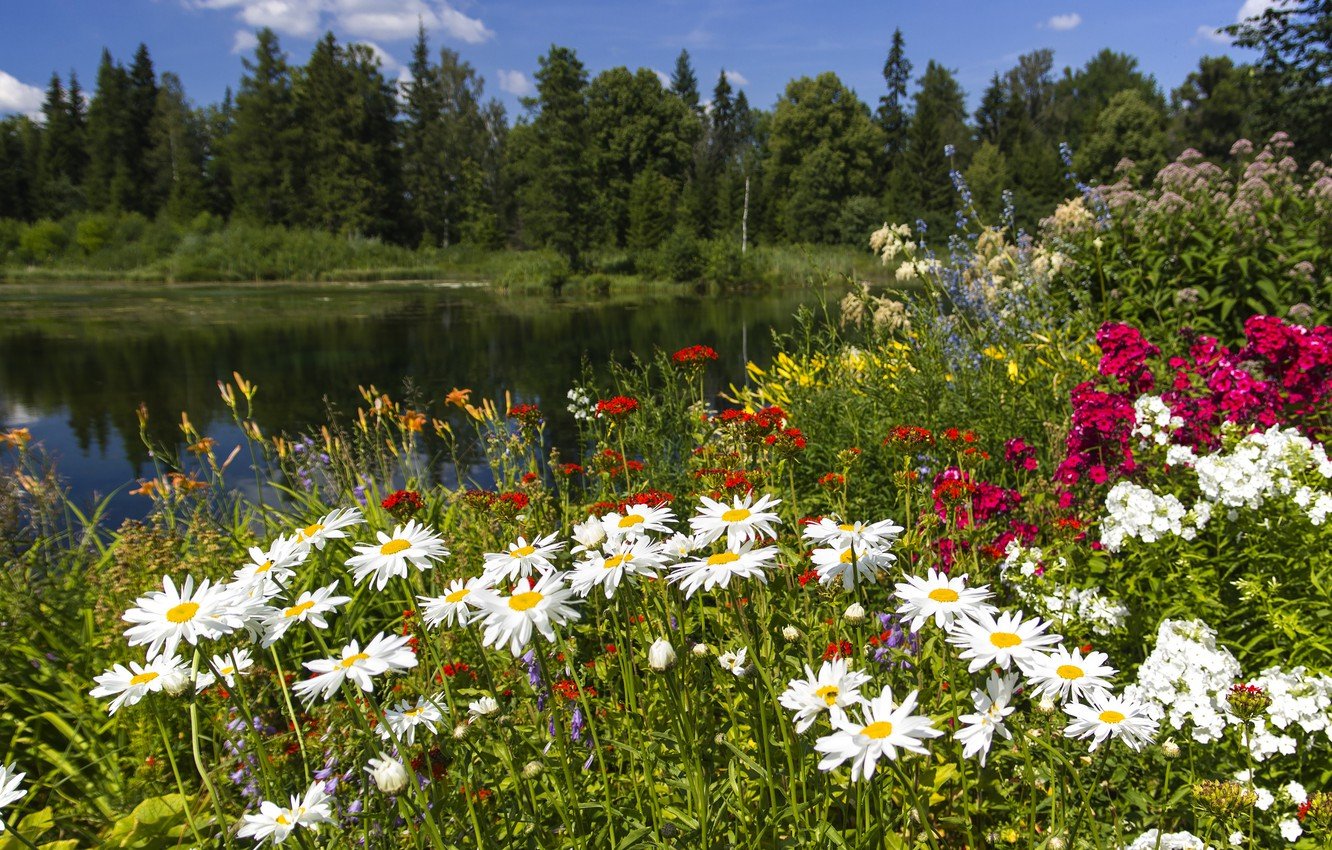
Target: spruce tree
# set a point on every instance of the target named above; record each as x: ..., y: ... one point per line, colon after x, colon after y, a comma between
x: 264, y: 143
x: 684, y: 84
x: 892, y: 112
x: 141, y: 104
x: 107, y: 182
x: 423, y: 132
x: 922, y: 188
x: 175, y: 159
x: 55, y: 187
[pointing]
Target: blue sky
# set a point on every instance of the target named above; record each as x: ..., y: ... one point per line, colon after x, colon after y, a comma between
x: 761, y: 45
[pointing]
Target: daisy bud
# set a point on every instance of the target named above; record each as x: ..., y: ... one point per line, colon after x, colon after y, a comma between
x: 854, y: 614
x: 532, y: 769
x: 791, y: 633
x: 1033, y: 733
x: 389, y: 774
x: 1046, y: 705
x: 661, y: 655
x: 460, y: 731
x: 700, y: 650
x: 1169, y: 748
x: 1057, y: 843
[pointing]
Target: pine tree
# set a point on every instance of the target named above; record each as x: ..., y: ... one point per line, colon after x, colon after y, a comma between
x: 684, y: 84
x: 423, y: 143
x: 922, y: 187
x: 218, y: 121
x: 892, y: 113
x: 141, y: 105
x: 264, y: 142
x: 107, y: 179
x: 175, y: 160
x: 55, y: 185
x: 552, y: 161
x: 15, y: 174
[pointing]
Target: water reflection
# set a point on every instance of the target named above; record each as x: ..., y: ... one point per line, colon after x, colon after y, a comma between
x: 77, y: 359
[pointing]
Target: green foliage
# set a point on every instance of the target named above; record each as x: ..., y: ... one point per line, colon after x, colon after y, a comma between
x: 920, y: 186
x: 1128, y: 128
x: 157, y: 823
x: 681, y: 257
x: 41, y: 241
x: 93, y: 232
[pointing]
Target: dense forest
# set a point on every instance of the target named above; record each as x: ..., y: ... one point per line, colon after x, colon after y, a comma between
x: 621, y: 160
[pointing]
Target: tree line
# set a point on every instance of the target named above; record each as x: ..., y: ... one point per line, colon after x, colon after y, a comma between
x: 625, y: 161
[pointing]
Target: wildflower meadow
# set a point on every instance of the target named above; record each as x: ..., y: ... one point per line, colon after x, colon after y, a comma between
x: 1033, y: 554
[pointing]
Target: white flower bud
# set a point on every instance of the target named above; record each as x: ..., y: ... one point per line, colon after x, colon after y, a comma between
x: 389, y: 774
x: 661, y: 655
x: 1046, y: 705
x: 483, y: 707
x: 460, y: 731
x: 854, y: 614
x: 532, y: 769
x: 701, y: 650
x: 589, y: 533
x: 1169, y: 748
x: 791, y: 633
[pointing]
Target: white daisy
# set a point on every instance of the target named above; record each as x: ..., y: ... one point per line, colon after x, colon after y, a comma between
x: 129, y: 685
x: 832, y: 690
x: 403, y: 718
x: 482, y: 707
x: 1001, y: 642
x: 678, y: 547
x: 733, y: 662
x: 328, y: 527
x: 226, y: 666
x: 412, y: 543
x: 382, y: 654
x: 717, y: 570
x: 850, y: 565
x: 741, y: 521
x: 310, y: 607
x: 512, y: 619
x: 1109, y: 716
x: 457, y: 606
x: 588, y: 534
x: 10, y: 792
x: 887, y: 728
x: 522, y: 558
x: 312, y: 808
x: 1065, y: 675
x: 271, y: 823
x: 943, y: 598
x: 622, y: 556
x: 637, y: 520
x: 859, y: 535
x: 166, y: 617
x: 273, y: 566
x: 992, y: 707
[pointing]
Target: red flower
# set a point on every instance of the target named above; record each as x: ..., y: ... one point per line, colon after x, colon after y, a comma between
x: 403, y: 503
x: 618, y: 406
x: 694, y: 354
x: 843, y: 649
x: 832, y: 480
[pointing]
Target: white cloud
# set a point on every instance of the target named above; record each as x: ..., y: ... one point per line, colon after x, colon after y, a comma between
x: 17, y: 96
x: 663, y: 76
x: 386, y: 60
x: 736, y: 78
x: 1254, y: 9
x: 1210, y: 33
x: 1061, y: 23
x: 389, y: 20
x: 515, y: 83
x: 244, y: 41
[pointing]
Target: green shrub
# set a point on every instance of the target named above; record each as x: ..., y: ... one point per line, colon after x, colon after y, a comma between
x: 681, y: 257
x: 41, y: 241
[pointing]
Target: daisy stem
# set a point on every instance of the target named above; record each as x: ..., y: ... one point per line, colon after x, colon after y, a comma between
x: 198, y: 757
x: 175, y: 772
x: 596, y: 744
x: 573, y: 826
x: 431, y: 828
x: 291, y: 710
x: 911, y: 789
x: 1086, y: 801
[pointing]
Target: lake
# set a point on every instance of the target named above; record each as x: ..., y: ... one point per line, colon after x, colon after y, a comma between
x: 77, y: 359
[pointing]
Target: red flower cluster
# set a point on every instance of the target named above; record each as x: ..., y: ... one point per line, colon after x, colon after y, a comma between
x: 909, y: 436
x: 841, y: 649
x: 620, y: 405
x: 651, y: 498
x: 528, y: 415
x: 1124, y: 354
x: 694, y: 354
x: 807, y: 576
x: 569, y: 469
x: 786, y: 441
x: 403, y: 504
x: 567, y: 689
x: 1020, y: 455
x: 954, y: 437
x: 832, y: 480
x: 753, y: 427
x: 612, y: 463
x: 730, y: 480
x: 507, y: 504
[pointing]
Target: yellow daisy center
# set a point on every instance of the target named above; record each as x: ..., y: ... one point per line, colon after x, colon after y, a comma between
x: 351, y: 661
x: 264, y: 567
x: 1069, y: 671
x: 723, y: 558
x: 943, y: 594
x: 828, y: 693
x: 847, y: 557
x: 1111, y: 717
x: 312, y: 529
x: 525, y: 600
x: 523, y: 552
x: 282, y: 819
x: 299, y: 608
x: 847, y: 527
x: 735, y: 515
x: 615, y: 560
x: 183, y: 613
x: 1005, y: 640
x: 144, y: 678
x: 414, y: 712
x: 631, y: 521
x: 393, y: 547
x: 878, y: 730
x: 457, y: 596
x: 227, y: 671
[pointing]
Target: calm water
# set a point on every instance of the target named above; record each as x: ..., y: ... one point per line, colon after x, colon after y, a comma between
x: 77, y: 359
